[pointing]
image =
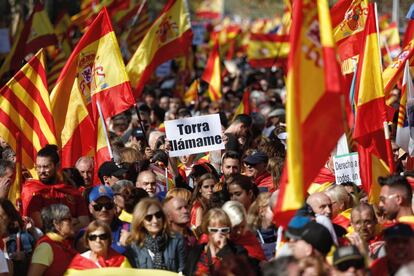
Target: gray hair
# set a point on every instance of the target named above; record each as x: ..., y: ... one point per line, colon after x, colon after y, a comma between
x: 236, y: 212
x: 52, y: 214
x: 118, y: 186
x: 4, y: 165
x: 84, y: 159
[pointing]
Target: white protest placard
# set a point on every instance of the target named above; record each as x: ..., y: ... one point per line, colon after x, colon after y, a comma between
x: 194, y: 135
x: 347, y: 168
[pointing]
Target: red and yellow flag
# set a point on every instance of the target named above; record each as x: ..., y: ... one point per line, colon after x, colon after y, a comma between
x: 16, y: 186
x: 37, y: 32
x: 348, y: 21
x: 267, y: 50
x: 192, y: 92
x: 94, y: 72
x: 139, y: 29
x: 170, y: 36
x: 244, y: 106
x: 209, y: 9
x: 314, y: 116
x: 212, y: 74
x: 390, y: 43
x: 25, y: 109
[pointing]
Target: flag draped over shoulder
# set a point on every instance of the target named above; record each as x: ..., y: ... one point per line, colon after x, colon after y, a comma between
x: 348, y: 21
x: 212, y: 74
x: 37, y: 32
x: 93, y: 73
x: 25, y: 109
x: 169, y: 36
x: 314, y: 116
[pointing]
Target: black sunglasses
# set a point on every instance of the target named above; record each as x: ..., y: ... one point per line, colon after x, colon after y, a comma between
x: 102, y: 237
x: 158, y: 215
x: 108, y: 206
x: 357, y: 264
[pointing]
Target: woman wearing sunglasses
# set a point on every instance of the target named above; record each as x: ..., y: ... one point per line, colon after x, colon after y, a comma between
x: 98, y: 238
x: 150, y: 243
x: 204, y: 259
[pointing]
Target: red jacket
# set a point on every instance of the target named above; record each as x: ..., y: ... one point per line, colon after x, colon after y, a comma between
x: 265, y: 181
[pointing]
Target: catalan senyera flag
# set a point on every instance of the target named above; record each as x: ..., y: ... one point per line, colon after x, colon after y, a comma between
x: 244, y: 106
x: 94, y: 72
x: 212, y: 74
x: 136, y: 33
x: 55, y: 67
x: 403, y: 139
x: 313, y: 91
x: 394, y: 71
x: 169, y: 36
x: 348, y: 21
x: 267, y: 50
x: 25, y: 109
x: 15, y: 187
x: 35, y: 33
x: 390, y: 42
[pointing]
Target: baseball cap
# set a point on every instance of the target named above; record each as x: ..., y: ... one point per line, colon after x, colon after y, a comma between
x: 348, y: 256
x: 296, y: 226
x: 137, y: 133
x: 276, y: 112
x: 100, y: 191
x: 399, y: 230
x: 318, y: 236
x: 110, y: 168
x: 256, y: 158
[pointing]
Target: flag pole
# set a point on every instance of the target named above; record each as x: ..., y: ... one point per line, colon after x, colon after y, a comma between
x: 104, y: 129
x: 141, y: 125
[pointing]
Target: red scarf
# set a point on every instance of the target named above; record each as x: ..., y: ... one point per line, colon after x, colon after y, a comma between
x: 114, y: 259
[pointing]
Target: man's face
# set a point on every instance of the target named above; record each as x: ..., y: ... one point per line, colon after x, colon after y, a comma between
x: 364, y: 224
x: 110, y: 180
x: 230, y: 167
x: 103, y: 209
x: 164, y: 103
x: 400, y: 251
x: 85, y: 168
x: 46, y: 170
x: 388, y: 204
x: 253, y: 170
x: 178, y: 212
x: 147, y: 182
x: 322, y: 206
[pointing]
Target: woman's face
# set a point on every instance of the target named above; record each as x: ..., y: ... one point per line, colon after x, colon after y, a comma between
x: 65, y: 227
x: 154, y: 220
x: 98, y: 241
x: 218, y: 234
x: 240, y: 195
x: 206, y: 189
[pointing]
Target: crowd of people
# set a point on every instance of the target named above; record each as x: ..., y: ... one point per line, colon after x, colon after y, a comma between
x: 201, y: 214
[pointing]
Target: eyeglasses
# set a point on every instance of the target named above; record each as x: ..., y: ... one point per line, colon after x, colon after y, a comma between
x: 108, y: 206
x: 357, y: 264
x: 221, y: 230
x: 158, y: 215
x: 102, y: 237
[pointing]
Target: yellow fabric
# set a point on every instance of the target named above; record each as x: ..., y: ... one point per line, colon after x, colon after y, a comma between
x: 406, y: 219
x: 317, y: 187
x: 125, y: 216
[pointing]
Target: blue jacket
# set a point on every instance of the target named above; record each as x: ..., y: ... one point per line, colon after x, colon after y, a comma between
x: 174, y: 255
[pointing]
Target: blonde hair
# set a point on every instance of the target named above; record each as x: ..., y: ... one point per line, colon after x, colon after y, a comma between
x: 215, y: 215
x: 254, y: 218
x: 138, y: 231
x: 129, y: 155
x: 178, y: 192
x: 236, y: 212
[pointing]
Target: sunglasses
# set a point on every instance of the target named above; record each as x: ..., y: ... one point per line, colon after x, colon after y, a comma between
x: 221, y: 230
x: 357, y: 264
x: 108, y: 206
x: 102, y: 237
x: 158, y: 215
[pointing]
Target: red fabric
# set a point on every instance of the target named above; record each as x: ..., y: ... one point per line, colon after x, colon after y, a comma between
x: 196, y: 206
x: 81, y: 263
x: 265, y: 180
x: 324, y: 175
x: 379, y: 267
x: 202, y: 264
x: 62, y: 255
x: 36, y: 195
x: 252, y: 245
x: 342, y: 221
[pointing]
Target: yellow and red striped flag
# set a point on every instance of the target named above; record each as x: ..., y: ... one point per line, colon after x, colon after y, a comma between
x: 95, y: 72
x: 55, y: 67
x: 212, y: 74
x: 192, y: 92
x: 348, y: 21
x: 370, y: 113
x: 25, y: 109
x: 267, y: 50
x: 137, y: 32
x: 244, y: 106
x: 208, y: 9
x: 170, y: 36
x: 314, y: 116
x: 36, y: 33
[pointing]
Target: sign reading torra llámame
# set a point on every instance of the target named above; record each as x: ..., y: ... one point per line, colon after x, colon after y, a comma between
x: 194, y: 135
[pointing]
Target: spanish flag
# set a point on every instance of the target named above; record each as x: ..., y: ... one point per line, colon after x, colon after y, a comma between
x: 191, y: 94
x: 35, y: 33
x: 25, y: 109
x: 314, y: 116
x: 348, y: 21
x: 244, y: 106
x: 94, y: 72
x: 209, y: 9
x: 267, y: 50
x: 170, y: 36
x: 212, y: 74
x: 390, y: 42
